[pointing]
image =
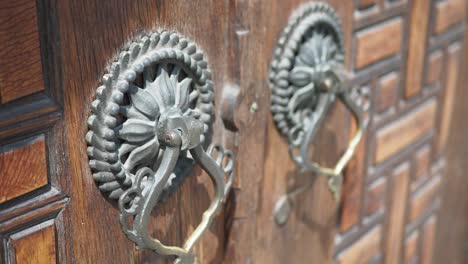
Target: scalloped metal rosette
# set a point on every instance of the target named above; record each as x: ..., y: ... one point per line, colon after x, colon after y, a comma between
x: 156, y: 74
x: 313, y: 39
x: 307, y: 76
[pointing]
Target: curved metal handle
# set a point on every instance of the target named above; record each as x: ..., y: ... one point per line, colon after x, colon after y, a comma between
x: 138, y: 201
x: 331, y: 86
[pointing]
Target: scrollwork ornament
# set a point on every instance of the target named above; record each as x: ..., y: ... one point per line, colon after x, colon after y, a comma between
x: 148, y: 126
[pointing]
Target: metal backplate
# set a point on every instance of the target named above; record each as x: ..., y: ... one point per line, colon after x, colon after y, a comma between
x: 307, y: 76
x: 148, y: 126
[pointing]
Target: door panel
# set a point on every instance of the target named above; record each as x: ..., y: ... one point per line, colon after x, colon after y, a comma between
x: 412, y: 73
x: 406, y: 53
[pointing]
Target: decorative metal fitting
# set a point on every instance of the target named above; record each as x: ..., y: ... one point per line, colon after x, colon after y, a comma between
x: 148, y: 126
x: 307, y: 76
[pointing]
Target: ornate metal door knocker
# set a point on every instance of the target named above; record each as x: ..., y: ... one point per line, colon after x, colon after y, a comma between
x: 148, y: 126
x: 307, y: 76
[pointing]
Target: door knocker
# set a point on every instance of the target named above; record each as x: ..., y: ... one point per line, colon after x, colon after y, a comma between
x: 148, y: 126
x: 307, y: 76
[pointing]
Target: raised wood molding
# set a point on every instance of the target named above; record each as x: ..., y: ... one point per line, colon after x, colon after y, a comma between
x: 23, y: 167
x: 35, y: 245
x: 375, y: 44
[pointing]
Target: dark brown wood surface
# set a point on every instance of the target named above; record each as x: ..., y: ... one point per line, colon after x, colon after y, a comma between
x: 452, y: 227
x: 407, y: 53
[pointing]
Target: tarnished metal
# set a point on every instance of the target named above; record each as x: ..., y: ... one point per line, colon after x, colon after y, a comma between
x: 148, y: 126
x: 307, y: 77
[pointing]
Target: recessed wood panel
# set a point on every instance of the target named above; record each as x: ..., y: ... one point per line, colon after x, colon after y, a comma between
x: 20, y: 68
x: 453, y: 61
x: 365, y: 4
x: 35, y: 245
x: 411, y: 248
x: 363, y: 250
x: 396, y: 214
x: 400, y: 133
x: 434, y: 71
x: 388, y: 91
x: 23, y: 167
x: 375, y: 199
x: 419, y: 18
x: 378, y: 42
x: 448, y: 13
x: 422, y: 160
x: 423, y: 199
x: 428, y: 241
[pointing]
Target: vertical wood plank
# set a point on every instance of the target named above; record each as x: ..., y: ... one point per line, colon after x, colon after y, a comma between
x: 453, y: 63
x: 419, y: 18
x: 396, y: 214
x: 428, y: 241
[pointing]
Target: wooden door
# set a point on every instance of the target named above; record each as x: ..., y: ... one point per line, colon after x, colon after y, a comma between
x: 407, y: 53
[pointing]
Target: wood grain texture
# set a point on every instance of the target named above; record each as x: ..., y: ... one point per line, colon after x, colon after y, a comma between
x: 435, y: 67
x: 313, y: 218
x: 423, y: 199
x: 453, y: 210
x: 88, y: 43
x: 21, y: 68
x: 238, y: 38
x: 453, y: 63
x: 374, y: 44
x: 23, y: 168
x: 448, y: 13
x: 364, y: 249
x: 419, y: 18
x: 400, y: 133
x: 388, y: 91
x: 396, y: 215
x: 422, y: 161
x: 375, y: 197
x: 36, y: 246
x: 411, y: 248
x: 428, y: 241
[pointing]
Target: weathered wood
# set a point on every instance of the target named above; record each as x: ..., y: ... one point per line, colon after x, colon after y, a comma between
x: 399, y: 134
x: 396, y: 219
x: 448, y: 13
x: 363, y: 250
x: 375, y: 44
x: 36, y: 246
x: 411, y: 248
x: 418, y: 33
x: 21, y: 65
x: 23, y: 168
x: 388, y: 91
x: 412, y: 86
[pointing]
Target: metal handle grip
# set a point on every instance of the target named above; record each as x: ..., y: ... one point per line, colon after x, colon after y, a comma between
x: 333, y: 84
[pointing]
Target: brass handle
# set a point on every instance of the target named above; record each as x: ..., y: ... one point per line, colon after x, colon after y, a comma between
x: 331, y: 84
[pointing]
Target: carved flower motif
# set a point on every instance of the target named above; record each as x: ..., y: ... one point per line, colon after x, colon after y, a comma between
x: 314, y: 58
x: 159, y: 97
